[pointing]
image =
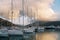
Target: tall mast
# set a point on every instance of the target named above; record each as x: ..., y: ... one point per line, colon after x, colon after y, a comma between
x: 23, y: 10
x: 23, y: 6
x: 12, y: 10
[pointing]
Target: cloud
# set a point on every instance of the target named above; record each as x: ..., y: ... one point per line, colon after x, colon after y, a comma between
x: 5, y: 8
x: 23, y: 20
x: 41, y: 10
x: 38, y: 9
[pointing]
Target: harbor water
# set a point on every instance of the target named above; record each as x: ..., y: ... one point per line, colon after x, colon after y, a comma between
x: 38, y: 36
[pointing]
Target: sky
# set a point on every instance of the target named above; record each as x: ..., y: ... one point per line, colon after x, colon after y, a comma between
x: 42, y: 10
x: 56, y: 6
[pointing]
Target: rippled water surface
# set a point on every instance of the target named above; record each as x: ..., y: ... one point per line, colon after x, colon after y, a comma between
x: 48, y: 36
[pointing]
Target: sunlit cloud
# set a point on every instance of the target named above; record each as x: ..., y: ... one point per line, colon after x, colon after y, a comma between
x: 38, y: 9
x: 41, y: 10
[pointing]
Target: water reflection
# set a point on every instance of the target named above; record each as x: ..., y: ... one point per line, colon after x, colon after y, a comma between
x: 48, y: 36
x: 30, y: 36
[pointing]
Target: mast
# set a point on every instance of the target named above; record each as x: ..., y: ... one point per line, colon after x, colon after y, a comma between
x: 11, y: 10
x: 23, y: 11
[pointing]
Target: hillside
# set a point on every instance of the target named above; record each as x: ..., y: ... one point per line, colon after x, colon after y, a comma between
x: 41, y: 23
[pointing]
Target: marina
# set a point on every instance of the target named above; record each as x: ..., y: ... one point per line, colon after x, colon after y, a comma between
x: 27, y: 33
x: 29, y: 20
